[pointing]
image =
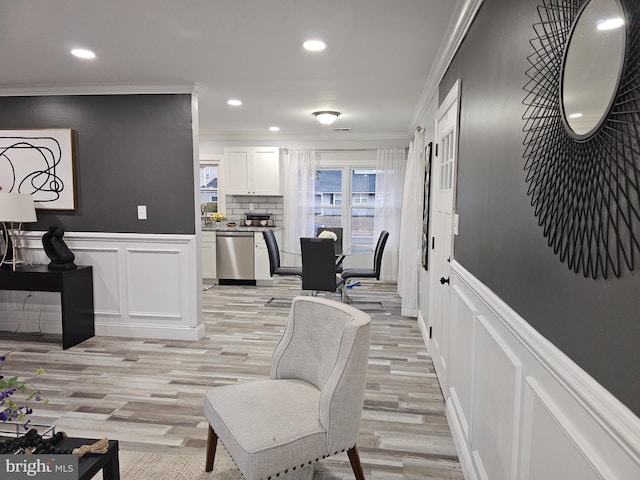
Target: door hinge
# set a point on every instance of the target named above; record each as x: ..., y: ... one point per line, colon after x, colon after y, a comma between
x: 430, y: 332
x: 433, y: 243
x: 437, y: 149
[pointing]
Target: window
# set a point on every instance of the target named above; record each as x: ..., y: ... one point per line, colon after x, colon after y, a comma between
x: 363, y: 198
x: 358, y: 185
x: 209, y: 188
x: 211, y: 193
x: 328, y: 198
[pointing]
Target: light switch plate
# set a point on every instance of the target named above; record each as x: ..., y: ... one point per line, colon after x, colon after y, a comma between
x: 142, y: 212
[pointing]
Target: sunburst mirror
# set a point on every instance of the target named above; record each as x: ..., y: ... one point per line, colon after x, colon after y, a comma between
x: 582, y: 132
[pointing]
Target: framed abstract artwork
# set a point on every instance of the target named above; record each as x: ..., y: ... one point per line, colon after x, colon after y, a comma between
x: 39, y: 163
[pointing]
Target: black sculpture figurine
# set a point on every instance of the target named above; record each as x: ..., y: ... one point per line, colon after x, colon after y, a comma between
x: 55, y: 248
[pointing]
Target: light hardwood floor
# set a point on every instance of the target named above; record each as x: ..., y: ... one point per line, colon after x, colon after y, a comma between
x: 148, y: 393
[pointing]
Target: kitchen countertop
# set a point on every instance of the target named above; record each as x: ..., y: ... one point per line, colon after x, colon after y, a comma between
x: 238, y: 228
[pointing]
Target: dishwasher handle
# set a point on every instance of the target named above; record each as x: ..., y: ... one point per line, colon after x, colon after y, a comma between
x: 234, y: 234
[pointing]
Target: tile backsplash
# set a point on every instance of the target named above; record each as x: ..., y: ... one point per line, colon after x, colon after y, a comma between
x: 238, y: 205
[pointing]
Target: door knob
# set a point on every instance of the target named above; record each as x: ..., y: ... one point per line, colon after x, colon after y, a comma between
x: 444, y: 280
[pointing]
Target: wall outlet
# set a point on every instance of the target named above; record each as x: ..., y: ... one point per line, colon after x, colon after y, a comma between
x: 142, y: 212
x: 251, y: 207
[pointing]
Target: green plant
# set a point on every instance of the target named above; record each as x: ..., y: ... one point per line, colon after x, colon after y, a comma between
x: 10, y: 409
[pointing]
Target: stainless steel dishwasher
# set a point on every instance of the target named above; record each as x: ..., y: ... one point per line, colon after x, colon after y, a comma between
x: 234, y: 257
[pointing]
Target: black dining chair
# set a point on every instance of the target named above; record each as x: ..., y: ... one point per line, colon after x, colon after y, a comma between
x: 374, y: 272
x: 275, y: 268
x: 318, y: 265
x: 338, y: 244
x: 338, y: 231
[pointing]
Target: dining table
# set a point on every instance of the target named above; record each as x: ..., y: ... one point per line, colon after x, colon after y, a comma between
x: 344, y: 252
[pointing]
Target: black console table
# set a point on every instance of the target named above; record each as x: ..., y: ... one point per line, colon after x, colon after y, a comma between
x: 90, y: 463
x: 76, y: 296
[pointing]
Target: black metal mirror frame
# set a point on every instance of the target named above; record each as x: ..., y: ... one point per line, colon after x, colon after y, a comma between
x: 585, y: 194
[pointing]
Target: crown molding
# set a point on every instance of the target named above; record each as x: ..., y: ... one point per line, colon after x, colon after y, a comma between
x: 335, y: 137
x: 460, y: 24
x: 45, y: 90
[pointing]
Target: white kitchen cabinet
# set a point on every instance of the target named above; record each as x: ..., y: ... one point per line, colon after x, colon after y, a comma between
x: 252, y: 171
x: 208, y: 254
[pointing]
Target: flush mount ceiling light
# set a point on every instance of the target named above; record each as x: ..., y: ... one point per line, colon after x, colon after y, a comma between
x: 274, y: 129
x: 314, y: 45
x: 326, y: 117
x: 234, y: 103
x: 83, y: 53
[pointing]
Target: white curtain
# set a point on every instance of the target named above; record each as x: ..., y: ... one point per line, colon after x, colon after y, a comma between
x: 409, y: 263
x: 298, y: 189
x: 390, y: 168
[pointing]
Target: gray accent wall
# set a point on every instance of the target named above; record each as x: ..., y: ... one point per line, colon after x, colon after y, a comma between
x: 131, y: 150
x: 594, y: 322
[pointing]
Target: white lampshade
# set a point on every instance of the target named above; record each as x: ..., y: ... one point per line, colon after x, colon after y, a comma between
x: 17, y: 208
x: 326, y: 117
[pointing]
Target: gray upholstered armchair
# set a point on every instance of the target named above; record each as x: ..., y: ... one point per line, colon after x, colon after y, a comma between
x: 311, y: 406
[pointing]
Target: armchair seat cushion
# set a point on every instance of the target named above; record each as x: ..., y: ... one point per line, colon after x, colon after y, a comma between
x: 267, y: 423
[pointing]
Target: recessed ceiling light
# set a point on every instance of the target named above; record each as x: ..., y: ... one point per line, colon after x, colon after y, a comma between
x: 314, y: 45
x: 610, y: 23
x: 83, y: 53
x: 274, y: 129
x: 234, y: 102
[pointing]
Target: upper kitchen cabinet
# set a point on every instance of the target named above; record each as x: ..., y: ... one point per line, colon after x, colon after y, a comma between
x: 252, y: 171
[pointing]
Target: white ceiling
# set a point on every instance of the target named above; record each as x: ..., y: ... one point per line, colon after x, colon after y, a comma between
x: 374, y: 71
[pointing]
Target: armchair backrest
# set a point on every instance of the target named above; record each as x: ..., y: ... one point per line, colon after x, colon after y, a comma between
x: 326, y: 343
x: 272, y: 250
x: 318, y: 264
x: 377, y: 256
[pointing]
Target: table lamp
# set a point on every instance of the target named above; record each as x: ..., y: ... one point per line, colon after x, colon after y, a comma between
x: 15, y: 208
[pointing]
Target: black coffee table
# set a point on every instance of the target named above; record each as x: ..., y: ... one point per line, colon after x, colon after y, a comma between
x: 91, y: 463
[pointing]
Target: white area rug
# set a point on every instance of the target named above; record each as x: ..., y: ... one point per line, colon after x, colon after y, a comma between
x: 149, y: 466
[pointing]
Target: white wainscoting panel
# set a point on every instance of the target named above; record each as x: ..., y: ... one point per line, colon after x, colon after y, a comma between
x: 534, y: 414
x: 461, y: 366
x: 106, y: 278
x: 497, y: 378
x: 148, y: 298
x: 548, y: 449
x: 145, y: 286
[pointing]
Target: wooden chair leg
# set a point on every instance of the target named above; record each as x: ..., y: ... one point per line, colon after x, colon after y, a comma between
x: 354, y: 458
x: 212, y: 443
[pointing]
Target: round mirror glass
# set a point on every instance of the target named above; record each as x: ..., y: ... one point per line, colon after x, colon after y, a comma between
x: 593, y: 62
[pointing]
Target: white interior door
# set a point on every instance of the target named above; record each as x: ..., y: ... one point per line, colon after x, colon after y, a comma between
x: 444, y: 172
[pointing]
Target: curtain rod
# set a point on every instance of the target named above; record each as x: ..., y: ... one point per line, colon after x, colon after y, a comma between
x: 339, y: 149
x: 344, y: 149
